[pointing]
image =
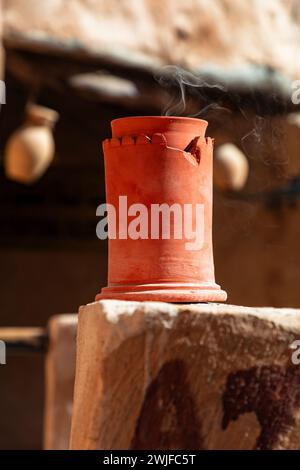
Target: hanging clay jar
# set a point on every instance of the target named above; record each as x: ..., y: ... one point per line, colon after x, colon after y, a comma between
x: 231, y: 168
x: 152, y: 161
x: 30, y: 149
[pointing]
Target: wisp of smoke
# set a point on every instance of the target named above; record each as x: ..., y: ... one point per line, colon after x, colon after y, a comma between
x: 216, y: 91
x: 184, y: 84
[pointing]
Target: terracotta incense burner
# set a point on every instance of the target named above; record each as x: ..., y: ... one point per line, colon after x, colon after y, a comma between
x: 158, y: 173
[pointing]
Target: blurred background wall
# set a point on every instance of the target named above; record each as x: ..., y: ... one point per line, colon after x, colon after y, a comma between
x: 94, y: 61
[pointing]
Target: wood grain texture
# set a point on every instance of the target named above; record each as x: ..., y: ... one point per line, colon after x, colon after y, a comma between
x: 60, y: 373
x: 208, y: 376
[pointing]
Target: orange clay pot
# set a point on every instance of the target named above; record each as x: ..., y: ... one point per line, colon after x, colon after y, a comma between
x: 150, y: 161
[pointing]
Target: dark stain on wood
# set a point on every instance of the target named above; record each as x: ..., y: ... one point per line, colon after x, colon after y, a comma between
x: 271, y: 392
x: 168, y: 417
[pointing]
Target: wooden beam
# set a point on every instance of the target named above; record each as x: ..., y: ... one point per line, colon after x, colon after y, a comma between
x: 24, y: 339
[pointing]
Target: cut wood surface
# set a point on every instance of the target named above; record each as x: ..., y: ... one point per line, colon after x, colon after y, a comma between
x: 60, y: 374
x: 204, y: 376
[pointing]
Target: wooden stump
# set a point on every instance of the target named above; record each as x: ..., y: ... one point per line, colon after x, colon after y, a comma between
x: 207, y: 376
x: 60, y: 375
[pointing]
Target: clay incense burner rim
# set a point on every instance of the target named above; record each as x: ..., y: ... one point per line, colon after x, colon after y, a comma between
x: 170, y: 118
